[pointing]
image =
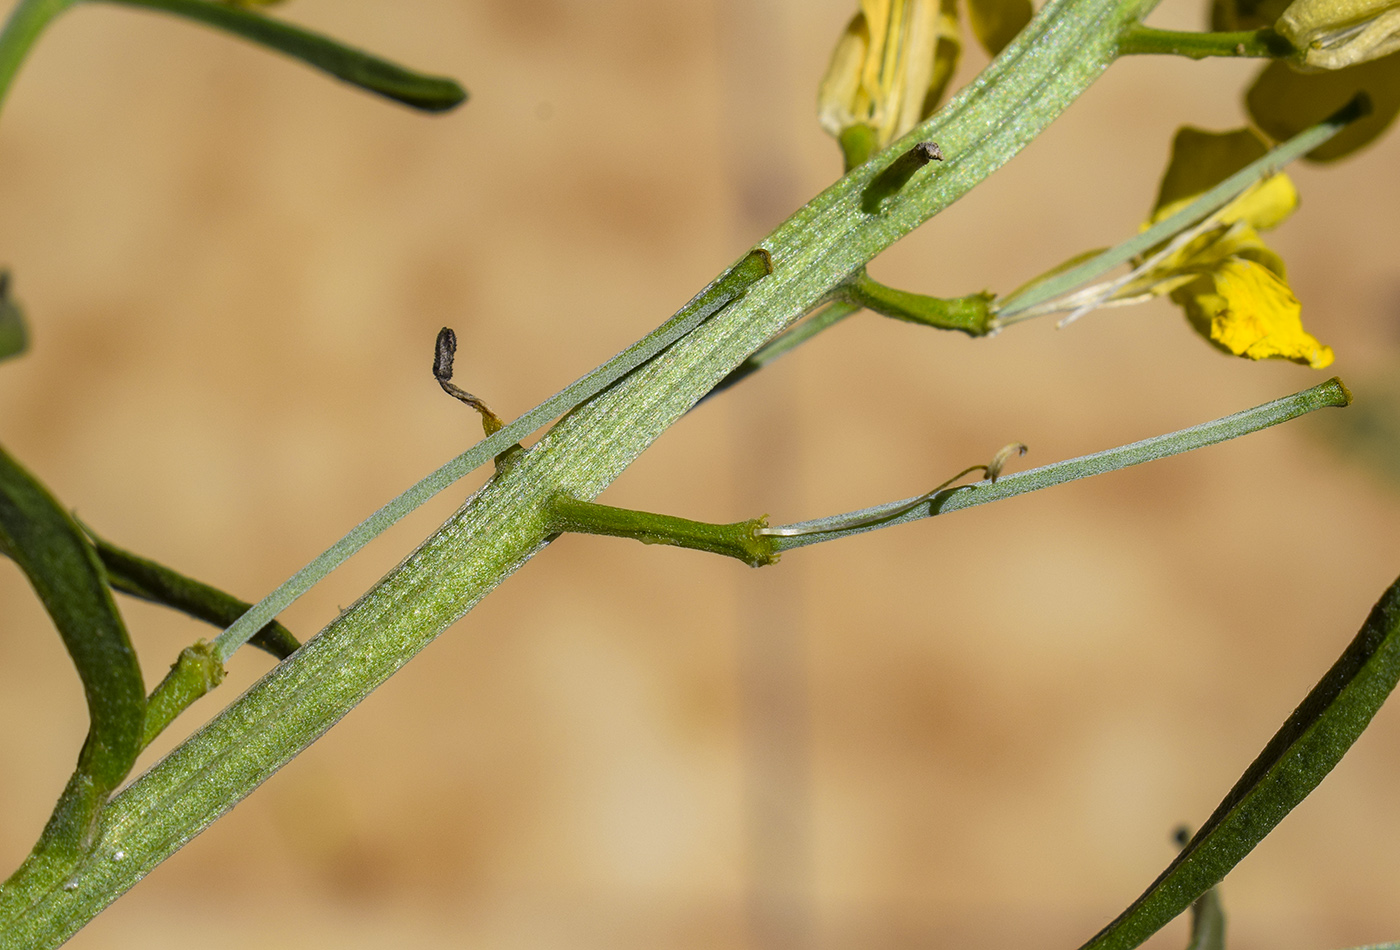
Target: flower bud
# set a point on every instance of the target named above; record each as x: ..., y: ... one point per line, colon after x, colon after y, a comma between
x: 1332, y: 34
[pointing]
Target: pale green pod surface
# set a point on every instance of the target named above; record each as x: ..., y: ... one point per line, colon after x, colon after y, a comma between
x: 1334, y: 34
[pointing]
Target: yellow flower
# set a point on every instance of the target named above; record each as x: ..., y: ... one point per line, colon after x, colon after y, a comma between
x: 1332, y: 34
x: 893, y: 62
x: 882, y: 69
x: 1233, y: 289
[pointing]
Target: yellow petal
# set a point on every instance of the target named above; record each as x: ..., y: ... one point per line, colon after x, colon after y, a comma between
x: 1212, y: 249
x: 839, y: 99
x: 1246, y: 309
x: 1201, y: 160
x: 946, y: 53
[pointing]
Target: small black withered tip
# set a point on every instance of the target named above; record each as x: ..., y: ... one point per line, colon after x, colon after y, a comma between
x: 443, y: 353
x: 928, y: 152
x: 897, y: 174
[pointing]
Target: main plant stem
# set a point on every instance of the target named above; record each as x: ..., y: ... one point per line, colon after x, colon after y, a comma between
x: 1068, y: 45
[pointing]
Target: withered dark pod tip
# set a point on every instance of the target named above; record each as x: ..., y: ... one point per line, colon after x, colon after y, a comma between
x: 897, y: 174
x: 443, y: 353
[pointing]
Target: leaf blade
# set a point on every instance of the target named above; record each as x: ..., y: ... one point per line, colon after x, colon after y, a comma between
x: 355, y: 66
x: 14, y: 337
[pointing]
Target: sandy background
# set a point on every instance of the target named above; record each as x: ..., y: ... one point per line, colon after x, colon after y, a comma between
x: 975, y: 732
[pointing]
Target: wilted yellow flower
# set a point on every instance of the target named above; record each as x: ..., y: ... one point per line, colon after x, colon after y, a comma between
x: 1233, y: 289
x: 883, y: 70
x: 1333, y: 34
x: 893, y: 62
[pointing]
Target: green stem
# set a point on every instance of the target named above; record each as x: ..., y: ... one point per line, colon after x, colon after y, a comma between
x: 736, y: 540
x: 421, y: 91
x: 1053, y: 60
x: 970, y: 314
x: 729, y: 287
x: 1207, y: 922
x: 194, y: 673
x: 1259, y: 44
x: 1330, y: 393
x: 791, y: 338
x: 27, y: 20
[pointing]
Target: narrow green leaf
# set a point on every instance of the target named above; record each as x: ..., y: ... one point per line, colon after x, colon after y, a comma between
x: 1329, y: 394
x: 14, y: 339
x: 68, y: 577
x: 1299, y: 756
x: 419, y: 90
x: 144, y: 578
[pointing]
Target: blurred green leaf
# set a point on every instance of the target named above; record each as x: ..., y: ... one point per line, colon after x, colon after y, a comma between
x: 144, y: 578
x: 68, y: 577
x: 996, y: 22
x: 419, y: 90
x: 1227, y: 16
x: 14, y: 339
x: 1299, y: 756
x: 1283, y: 102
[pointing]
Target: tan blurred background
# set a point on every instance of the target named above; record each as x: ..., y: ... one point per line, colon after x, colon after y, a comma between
x: 973, y: 732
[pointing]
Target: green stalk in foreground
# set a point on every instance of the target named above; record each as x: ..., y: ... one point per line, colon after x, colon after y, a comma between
x: 1063, y: 50
x: 1299, y: 756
